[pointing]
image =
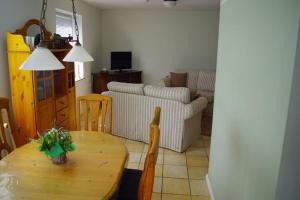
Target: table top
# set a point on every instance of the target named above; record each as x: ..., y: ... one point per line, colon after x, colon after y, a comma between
x: 93, y: 170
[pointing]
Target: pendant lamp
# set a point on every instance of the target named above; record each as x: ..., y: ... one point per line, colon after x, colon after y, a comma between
x: 77, y: 53
x: 42, y: 58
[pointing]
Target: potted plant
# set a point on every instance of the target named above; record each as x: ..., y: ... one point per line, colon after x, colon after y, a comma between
x: 55, y: 143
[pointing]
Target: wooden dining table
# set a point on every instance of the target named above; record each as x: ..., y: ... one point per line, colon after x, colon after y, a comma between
x: 93, y: 170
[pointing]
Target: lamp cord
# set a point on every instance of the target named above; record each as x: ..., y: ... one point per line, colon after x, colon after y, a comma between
x: 43, y: 20
x: 75, y: 22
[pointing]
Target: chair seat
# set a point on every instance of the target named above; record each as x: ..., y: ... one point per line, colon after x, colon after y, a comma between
x: 129, y: 184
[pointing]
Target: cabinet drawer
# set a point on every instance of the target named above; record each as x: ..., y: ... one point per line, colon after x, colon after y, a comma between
x: 62, y: 115
x: 61, y: 103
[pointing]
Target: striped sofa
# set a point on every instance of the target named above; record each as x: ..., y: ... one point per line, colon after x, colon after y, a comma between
x: 133, y: 107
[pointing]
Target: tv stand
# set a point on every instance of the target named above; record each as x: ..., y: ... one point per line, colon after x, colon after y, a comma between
x: 101, y: 79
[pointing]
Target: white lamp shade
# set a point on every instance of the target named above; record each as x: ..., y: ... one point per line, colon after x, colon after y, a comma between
x: 170, y: 4
x: 78, y: 54
x: 42, y: 59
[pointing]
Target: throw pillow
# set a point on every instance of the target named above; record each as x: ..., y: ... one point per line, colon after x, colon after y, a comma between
x: 178, y: 79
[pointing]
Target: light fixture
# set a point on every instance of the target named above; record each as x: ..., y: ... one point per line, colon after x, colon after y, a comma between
x: 170, y: 3
x: 77, y: 53
x: 42, y: 58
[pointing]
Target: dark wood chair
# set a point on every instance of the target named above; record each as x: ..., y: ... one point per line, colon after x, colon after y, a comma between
x: 7, y: 142
x: 137, y: 184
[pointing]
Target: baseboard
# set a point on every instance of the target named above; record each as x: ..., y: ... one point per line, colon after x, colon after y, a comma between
x: 211, y: 194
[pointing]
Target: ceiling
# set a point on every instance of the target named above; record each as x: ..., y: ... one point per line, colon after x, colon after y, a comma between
x: 153, y: 4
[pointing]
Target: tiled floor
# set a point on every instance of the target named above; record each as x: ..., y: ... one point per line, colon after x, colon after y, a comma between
x: 178, y: 176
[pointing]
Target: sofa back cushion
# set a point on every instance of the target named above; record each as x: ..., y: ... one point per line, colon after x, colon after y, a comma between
x: 180, y: 94
x: 206, y: 80
x: 129, y: 88
x: 200, y: 79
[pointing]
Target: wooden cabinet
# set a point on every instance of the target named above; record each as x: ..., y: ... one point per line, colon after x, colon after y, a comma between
x: 39, y: 97
x: 101, y: 79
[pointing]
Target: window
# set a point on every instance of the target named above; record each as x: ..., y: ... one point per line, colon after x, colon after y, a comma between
x: 65, y: 27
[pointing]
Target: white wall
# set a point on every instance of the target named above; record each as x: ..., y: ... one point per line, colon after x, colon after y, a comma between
x: 256, y: 62
x: 13, y: 15
x: 161, y: 40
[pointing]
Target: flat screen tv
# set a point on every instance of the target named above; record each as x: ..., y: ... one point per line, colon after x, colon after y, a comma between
x: 121, y: 60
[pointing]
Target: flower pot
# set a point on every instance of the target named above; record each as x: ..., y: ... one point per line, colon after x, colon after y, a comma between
x: 61, y: 159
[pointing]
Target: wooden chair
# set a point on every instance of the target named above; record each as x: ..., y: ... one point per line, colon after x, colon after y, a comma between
x: 137, y: 184
x: 92, y: 105
x: 155, y: 121
x: 5, y: 125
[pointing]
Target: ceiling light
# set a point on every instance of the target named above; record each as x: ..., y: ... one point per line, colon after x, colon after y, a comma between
x: 42, y: 58
x: 77, y: 53
x: 170, y: 3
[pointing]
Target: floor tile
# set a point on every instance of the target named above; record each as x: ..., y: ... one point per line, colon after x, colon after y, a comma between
x: 174, y: 159
x: 158, y: 170
x: 160, y: 158
x: 156, y: 196
x: 135, y: 147
x: 120, y: 139
x: 134, y: 142
x: 206, y: 138
x: 174, y: 171
x: 171, y: 152
x: 132, y: 165
x: 141, y: 166
x: 176, y: 186
x: 134, y: 157
x: 207, y: 143
x: 199, y: 187
x: 200, y: 198
x: 157, y: 184
x: 198, y: 143
x: 193, y: 150
x: 160, y: 150
x: 197, y: 161
x: 208, y: 151
x: 175, y: 197
x: 197, y: 172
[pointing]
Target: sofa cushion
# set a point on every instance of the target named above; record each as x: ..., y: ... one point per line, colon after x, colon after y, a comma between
x: 178, y: 79
x: 206, y: 93
x: 130, y: 88
x: 206, y: 80
x: 180, y: 94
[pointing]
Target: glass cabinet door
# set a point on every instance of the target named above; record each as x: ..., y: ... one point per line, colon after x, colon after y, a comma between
x: 44, y: 85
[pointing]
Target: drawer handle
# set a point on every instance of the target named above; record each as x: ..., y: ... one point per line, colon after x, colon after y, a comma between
x: 61, y: 102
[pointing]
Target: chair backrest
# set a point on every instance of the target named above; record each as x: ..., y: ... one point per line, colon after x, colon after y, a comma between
x: 95, y: 106
x: 147, y: 178
x: 5, y: 125
x: 155, y: 121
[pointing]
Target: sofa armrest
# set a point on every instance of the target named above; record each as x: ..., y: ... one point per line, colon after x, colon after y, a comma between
x: 165, y: 82
x: 196, y: 106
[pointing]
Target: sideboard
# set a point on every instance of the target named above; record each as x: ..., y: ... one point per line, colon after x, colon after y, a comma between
x: 101, y: 79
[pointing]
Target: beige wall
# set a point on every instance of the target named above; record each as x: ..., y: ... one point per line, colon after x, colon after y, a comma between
x: 161, y: 40
x: 14, y: 13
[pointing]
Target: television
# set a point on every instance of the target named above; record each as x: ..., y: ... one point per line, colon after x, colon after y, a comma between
x: 121, y: 60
